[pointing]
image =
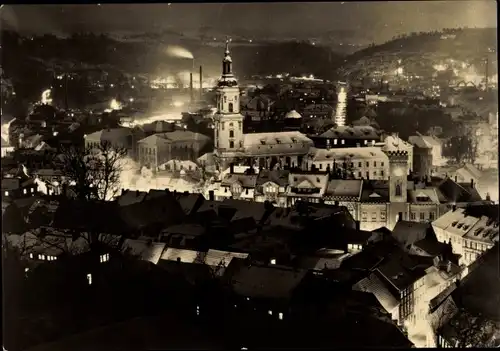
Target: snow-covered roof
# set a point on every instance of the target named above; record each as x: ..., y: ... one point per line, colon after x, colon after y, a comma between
x: 352, y: 132
x: 293, y: 114
x: 283, y: 143
x: 307, y: 181
x: 395, y: 143
x: 352, y: 153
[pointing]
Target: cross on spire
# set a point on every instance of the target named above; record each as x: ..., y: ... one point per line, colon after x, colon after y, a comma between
x: 227, y: 45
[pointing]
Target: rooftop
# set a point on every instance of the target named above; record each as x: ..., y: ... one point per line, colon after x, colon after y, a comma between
x: 351, y: 153
x: 352, y: 132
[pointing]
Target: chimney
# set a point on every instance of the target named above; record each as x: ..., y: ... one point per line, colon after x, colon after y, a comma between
x: 231, y: 168
x: 358, y: 225
x: 191, y: 86
x: 456, y: 179
x: 488, y: 197
x: 201, y: 82
x: 448, y: 266
x: 454, y: 208
x: 472, y: 182
x: 211, y: 195
x: 123, y: 191
x: 137, y: 193
x: 400, y: 216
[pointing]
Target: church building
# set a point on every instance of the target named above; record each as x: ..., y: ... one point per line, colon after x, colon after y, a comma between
x: 266, y: 150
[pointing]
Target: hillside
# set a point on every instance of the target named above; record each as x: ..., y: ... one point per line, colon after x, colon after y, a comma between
x: 425, y: 53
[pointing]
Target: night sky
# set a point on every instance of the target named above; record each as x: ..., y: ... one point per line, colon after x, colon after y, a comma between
x: 379, y: 20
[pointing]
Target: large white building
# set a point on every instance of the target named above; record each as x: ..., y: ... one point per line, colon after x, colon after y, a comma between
x: 265, y: 150
x: 471, y: 230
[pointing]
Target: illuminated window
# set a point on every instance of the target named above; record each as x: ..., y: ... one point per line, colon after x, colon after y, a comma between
x: 31, y: 255
x: 383, y: 215
x: 366, y: 142
x: 89, y: 278
x: 197, y: 310
x: 335, y: 142
x: 270, y: 312
x: 24, y: 191
x: 280, y: 316
x: 273, y: 261
x: 32, y: 190
x: 104, y: 258
x: 6, y: 193
x: 26, y: 270
x: 342, y: 141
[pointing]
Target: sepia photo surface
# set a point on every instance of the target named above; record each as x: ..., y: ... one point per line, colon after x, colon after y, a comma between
x: 249, y: 176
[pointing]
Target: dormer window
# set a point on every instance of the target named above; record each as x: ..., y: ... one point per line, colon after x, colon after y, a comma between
x: 454, y: 224
x: 263, y: 142
x: 278, y: 141
x: 318, y: 180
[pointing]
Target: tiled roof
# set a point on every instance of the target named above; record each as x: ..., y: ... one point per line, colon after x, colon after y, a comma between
x: 280, y: 144
x: 425, y: 195
x: 176, y: 136
x: 344, y: 188
x: 266, y: 282
x: 146, y: 250
x: 431, y: 246
x: 352, y: 132
x: 307, y: 181
x: 246, y: 181
x: 129, y: 197
x: 109, y: 134
x: 408, y: 233
x: 374, y: 285
x: 356, y: 153
x: 279, y: 177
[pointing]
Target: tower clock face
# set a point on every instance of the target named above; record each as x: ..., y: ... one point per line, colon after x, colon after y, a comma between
x: 398, y: 172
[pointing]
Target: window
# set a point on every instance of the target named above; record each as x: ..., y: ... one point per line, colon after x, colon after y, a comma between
x: 26, y: 270
x: 231, y: 133
x: 6, y: 193
x: 342, y: 141
x: 367, y: 164
x: 374, y: 216
x: 231, y: 144
x: 360, y: 164
x: 383, y: 215
x: 225, y: 99
x: 374, y: 174
x: 364, y: 216
x: 24, y: 191
x: 273, y: 261
x: 360, y: 175
x: 197, y: 310
x: 270, y: 312
x: 334, y: 141
x: 432, y: 216
x: 398, y: 189
x: 422, y: 216
x: 367, y: 175
x: 320, y: 166
x: 31, y: 255
x: 374, y: 163
x: 280, y: 316
x: 104, y: 258
x: 222, y: 125
x: 366, y: 142
x: 89, y: 278
x: 231, y: 107
x: 381, y: 173
x: 412, y: 216
x: 240, y: 125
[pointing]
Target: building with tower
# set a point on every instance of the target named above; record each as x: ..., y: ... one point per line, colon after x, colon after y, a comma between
x: 232, y: 146
x: 340, y: 112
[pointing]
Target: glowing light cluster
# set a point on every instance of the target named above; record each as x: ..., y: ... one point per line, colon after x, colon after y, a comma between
x: 340, y: 112
x: 47, y: 97
x: 179, y: 52
x: 115, y: 105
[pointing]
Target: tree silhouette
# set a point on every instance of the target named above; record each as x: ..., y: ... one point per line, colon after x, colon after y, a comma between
x: 95, y: 171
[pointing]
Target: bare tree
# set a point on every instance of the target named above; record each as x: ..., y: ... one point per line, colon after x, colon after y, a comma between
x: 95, y: 171
x: 464, y: 329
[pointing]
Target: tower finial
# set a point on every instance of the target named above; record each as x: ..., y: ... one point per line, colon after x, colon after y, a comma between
x: 227, y: 46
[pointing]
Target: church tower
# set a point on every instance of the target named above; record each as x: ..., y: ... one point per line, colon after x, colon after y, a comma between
x: 228, y: 137
x: 398, y: 175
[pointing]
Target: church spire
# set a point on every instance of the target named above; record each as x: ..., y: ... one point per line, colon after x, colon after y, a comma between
x: 227, y: 62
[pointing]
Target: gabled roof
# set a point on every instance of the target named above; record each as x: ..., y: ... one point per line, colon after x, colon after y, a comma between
x: 279, y: 177
x: 352, y: 153
x: 145, y: 250
x: 246, y: 181
x: 111, y: 134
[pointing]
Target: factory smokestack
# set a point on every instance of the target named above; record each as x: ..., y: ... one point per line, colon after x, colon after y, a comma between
x: 191, y: 85
x: 201, y: 82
